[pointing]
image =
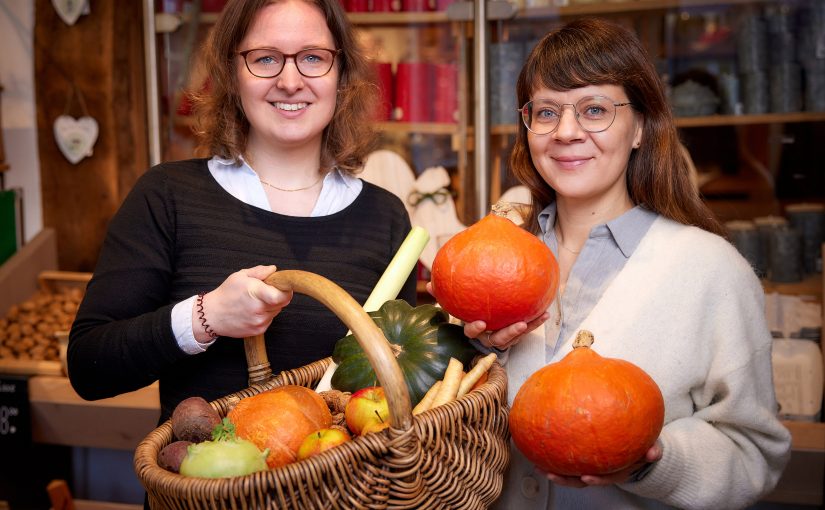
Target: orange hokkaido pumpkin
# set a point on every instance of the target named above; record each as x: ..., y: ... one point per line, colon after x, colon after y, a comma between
x: 495, y: 271
x: 586, y: 414
x: 280, y: 419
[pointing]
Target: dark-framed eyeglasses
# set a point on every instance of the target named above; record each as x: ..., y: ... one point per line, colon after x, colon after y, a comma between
x: 593, y: 113
x: 269, y: 62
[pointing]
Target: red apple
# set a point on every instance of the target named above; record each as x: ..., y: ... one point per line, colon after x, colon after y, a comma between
x: 321, y: 441
x: 366, y: 406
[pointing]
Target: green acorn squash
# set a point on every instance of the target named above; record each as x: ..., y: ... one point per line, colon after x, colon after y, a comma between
x: 422, y: 339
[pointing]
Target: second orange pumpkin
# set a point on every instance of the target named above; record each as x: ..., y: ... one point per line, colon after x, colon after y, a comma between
x: 280, y: 419
x: 586, y: 414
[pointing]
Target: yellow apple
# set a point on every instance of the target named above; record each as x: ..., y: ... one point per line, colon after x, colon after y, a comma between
x: 320, y: 441
x: 367, y: 406
x: 374, y: 426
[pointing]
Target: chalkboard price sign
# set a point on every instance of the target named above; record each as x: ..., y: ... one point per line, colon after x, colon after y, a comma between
x: 15, y: 413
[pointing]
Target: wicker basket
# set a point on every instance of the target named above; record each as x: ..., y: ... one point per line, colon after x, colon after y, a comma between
x: 450, y: 457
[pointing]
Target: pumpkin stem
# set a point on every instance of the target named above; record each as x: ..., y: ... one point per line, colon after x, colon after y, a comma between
x: 584, y: 338
x: 501, y: 208
x: 510, y: 211
x: 396, y: 349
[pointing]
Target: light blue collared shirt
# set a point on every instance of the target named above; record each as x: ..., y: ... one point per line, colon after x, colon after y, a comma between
x: 338, y: 191
x: 603, y: 255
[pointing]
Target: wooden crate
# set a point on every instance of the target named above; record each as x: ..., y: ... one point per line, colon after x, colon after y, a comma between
x: 27, y: 272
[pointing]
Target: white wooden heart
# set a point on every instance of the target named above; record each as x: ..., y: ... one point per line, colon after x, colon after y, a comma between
x: 75, y: 137
x: 70, y: 10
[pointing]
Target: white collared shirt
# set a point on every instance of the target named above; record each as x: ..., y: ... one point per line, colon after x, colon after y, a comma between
x: 338, y: 191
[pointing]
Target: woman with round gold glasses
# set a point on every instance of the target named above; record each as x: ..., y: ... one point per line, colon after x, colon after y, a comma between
x: 644, y: 268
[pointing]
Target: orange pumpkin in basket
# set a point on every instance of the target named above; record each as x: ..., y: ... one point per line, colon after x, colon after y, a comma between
x: 495, y: 271
x: 280, y: 419
x: 586, y: 414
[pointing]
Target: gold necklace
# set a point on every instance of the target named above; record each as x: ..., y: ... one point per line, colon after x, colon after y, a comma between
x: 288, y: 190
x: 248, y: 161
x: 560, y: 239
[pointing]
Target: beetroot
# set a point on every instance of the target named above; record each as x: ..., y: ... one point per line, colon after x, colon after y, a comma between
x: 193, y: 420
x: 171, y: 456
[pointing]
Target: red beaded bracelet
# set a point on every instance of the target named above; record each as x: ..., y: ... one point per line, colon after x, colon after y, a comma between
x: 202, y: 317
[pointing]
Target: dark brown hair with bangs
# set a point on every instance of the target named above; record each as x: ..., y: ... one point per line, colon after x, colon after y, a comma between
x: 593, y: 51
x: 221, y: 126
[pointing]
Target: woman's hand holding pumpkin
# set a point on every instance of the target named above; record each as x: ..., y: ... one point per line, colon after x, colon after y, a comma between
x: 505, y: 337
x: 653, y: 454
x: 243, y: 305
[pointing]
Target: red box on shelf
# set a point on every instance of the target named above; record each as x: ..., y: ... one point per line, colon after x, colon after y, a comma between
x: 445, y: 93
x: 383, y: 72
x: 413, y: 93
x: 386, y: 5
x: 417, y: 5
x: 357, y: 5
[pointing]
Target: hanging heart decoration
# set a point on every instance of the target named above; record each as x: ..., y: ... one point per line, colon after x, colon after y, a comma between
x: 70, y: 10
x: 75, y: 137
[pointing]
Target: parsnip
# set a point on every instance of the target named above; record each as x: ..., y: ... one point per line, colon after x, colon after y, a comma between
x: 427, y: 401
x: 475, y: 373
x: 450, y: 384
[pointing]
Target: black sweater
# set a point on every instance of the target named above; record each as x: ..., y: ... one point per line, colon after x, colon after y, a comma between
x: 177, y: 233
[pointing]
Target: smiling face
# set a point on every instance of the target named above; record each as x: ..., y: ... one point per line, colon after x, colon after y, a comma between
x: 582, y: 165
x: 290, y: 110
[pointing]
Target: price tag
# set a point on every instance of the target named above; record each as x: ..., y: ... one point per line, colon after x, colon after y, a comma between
x: 15, y: 411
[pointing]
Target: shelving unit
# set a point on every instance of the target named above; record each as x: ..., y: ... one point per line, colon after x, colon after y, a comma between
x: 605, y: 8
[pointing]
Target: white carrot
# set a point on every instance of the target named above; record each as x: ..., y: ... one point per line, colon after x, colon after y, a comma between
x: 475, y: 373
x: 426, y: 401
x: 451, y: 381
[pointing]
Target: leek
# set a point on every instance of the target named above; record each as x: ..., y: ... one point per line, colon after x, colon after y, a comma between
x: 390, y: 283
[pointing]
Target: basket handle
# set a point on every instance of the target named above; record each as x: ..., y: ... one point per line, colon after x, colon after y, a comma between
x: 369, y: 337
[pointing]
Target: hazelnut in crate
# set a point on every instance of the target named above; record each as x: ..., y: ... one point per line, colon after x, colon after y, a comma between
x: 31, y: 330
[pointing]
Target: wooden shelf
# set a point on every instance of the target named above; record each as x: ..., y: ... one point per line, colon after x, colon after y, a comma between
x: 60, y: 416
x: 397, y: 18
x: 427, y: 128
x: 807, y: 436
x: 361, y: 18
x: 809, y: 286
x: 736, y: 120
x: 618, y: 7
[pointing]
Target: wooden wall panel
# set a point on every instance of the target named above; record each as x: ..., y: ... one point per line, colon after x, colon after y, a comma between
x: 102, y: 55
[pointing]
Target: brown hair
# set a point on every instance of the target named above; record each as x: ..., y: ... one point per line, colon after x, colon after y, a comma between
x: 591, y: 51
x: 222, y: 128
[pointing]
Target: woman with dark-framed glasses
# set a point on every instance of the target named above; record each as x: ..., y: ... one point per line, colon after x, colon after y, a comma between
x: 285, y: 123
x: 644, y: 267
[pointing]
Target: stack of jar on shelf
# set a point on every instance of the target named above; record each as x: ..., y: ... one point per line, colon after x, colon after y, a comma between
x: 506, y: 59
x: 783, y: 249
x: 781, y: 58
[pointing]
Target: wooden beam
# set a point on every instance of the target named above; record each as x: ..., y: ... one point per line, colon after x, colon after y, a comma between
x: 101, y: 56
